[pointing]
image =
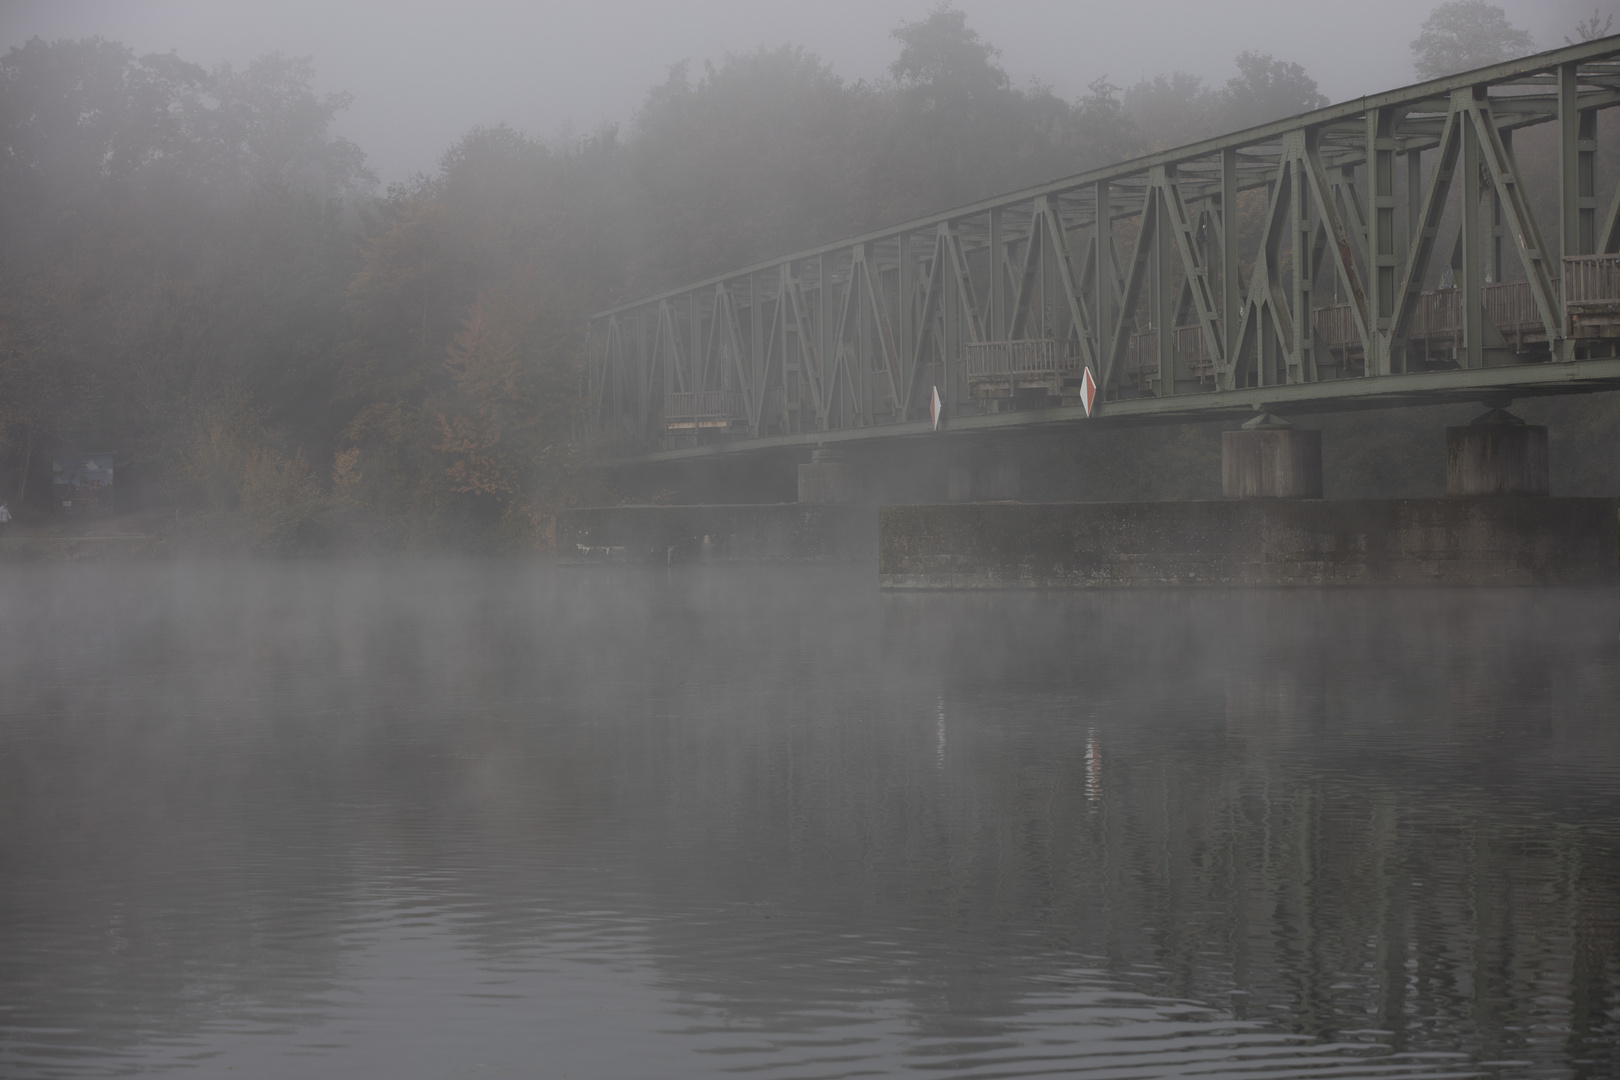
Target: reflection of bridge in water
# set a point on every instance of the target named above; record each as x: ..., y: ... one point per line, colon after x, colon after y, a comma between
x: 1440, y: 242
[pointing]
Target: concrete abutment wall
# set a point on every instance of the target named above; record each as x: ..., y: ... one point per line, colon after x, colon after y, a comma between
x: 1451, y: 541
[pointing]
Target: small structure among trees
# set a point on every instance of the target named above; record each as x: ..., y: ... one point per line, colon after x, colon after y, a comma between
x: 83, y: 483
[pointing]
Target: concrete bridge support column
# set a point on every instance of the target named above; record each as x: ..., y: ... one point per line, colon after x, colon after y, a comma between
x: 828, y: 478
x: 993, y: 476
x: 1497, y: 454
x: 1271, y: 459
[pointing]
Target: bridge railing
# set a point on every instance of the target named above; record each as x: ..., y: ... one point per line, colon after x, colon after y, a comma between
x: 1142, y: 356
x: 1193, y: 348
x: 1437, y: 314
x: 1511, y: 306
x: 1336, y: 326
x: 1592, y: 295
x: 1033, y: 356
x: 1591, y: 280
x: 1437, y: 318
x: 694, y: 409
x: 1190, y: 346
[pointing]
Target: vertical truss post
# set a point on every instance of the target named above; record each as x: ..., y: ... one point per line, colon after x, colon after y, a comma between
x: 1396, y: 361
x: 665, y: 347
x: 826, y: 350
x: 950, y: 308
x: 1164, y: 298
x: 1048, y: 277
x: 1414, y: 193
x: 1381, y: 185
x: 1056, y: 243
x: 1473, y: 297
x: 1302, y: 362
x: 641, y: 383
x: 865, y: 361
x: 997, y: 330
x: 792, y: 387
x: 1147, y: 224
x: 1331, y: 203
x: 1230, y: 285
x: 756, y: 355
x: 1030, y: 266
x: 1610, y: 236
x: 1498, y: 231
x: 907, y: 280
x: 1577, y: 151
x: 694, y: 335
x: 1103, y: 312
x: 712, y: 346
x: 1426, y: 227
x: 883, y: 329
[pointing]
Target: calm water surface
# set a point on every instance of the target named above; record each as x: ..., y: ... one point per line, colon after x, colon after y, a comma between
x: 486, y: 819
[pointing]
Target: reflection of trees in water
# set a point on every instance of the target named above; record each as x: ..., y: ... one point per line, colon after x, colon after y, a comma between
x: 1333, y: 812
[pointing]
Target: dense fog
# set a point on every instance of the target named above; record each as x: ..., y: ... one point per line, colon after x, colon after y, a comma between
x: 200, y: 271
x: 408, y: 818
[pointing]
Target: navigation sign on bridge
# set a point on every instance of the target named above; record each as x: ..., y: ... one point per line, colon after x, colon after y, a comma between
x: 1295, y: 266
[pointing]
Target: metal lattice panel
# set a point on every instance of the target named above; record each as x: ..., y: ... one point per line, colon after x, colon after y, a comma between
x: 1301, y: 264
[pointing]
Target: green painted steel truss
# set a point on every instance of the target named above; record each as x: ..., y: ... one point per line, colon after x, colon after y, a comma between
x: 1387, y: 250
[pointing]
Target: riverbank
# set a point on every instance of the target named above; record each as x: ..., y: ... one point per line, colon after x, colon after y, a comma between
x: 168, y: 532
x: 138, y: 535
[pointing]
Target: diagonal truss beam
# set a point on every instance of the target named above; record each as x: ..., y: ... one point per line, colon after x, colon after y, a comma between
x: 1195, y: 274
x: 1521, y: 223
x: 1354, y: 198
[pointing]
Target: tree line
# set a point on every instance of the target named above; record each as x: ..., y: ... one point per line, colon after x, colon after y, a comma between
x: 197, y: 272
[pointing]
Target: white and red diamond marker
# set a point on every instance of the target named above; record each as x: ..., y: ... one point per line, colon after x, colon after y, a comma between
x: 1088, y: 391
x: 935, y: 409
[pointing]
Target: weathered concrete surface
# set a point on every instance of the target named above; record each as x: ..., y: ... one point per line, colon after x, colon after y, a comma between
x: 828, y: 478
x: 1271, y: 461
x: 992, y: 478
x: 788, y: 532
x: 1451, y: 541
x: 1497, y: 454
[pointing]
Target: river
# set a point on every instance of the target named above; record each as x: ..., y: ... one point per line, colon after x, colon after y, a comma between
x: 455, y: 818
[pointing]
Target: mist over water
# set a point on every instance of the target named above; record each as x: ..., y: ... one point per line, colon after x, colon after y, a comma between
x: 466, y: 818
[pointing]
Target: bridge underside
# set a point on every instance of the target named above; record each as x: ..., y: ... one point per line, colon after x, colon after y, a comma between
x: 1441, y: 242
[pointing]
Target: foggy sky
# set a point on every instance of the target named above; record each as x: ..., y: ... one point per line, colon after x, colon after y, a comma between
x: 424, y: 73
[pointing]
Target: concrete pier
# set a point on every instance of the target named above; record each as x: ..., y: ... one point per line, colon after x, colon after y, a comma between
x: 1497, y: 454
x: 990, y: 477
x: 828, y: 478
x: 1260, y: 542
x: 1271, y: 459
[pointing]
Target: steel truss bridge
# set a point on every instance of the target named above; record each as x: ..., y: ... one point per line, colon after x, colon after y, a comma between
x: 1386, y: 250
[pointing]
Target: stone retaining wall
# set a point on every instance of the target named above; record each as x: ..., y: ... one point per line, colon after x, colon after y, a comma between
x: 786, y: 532
x: 1453, y: 541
